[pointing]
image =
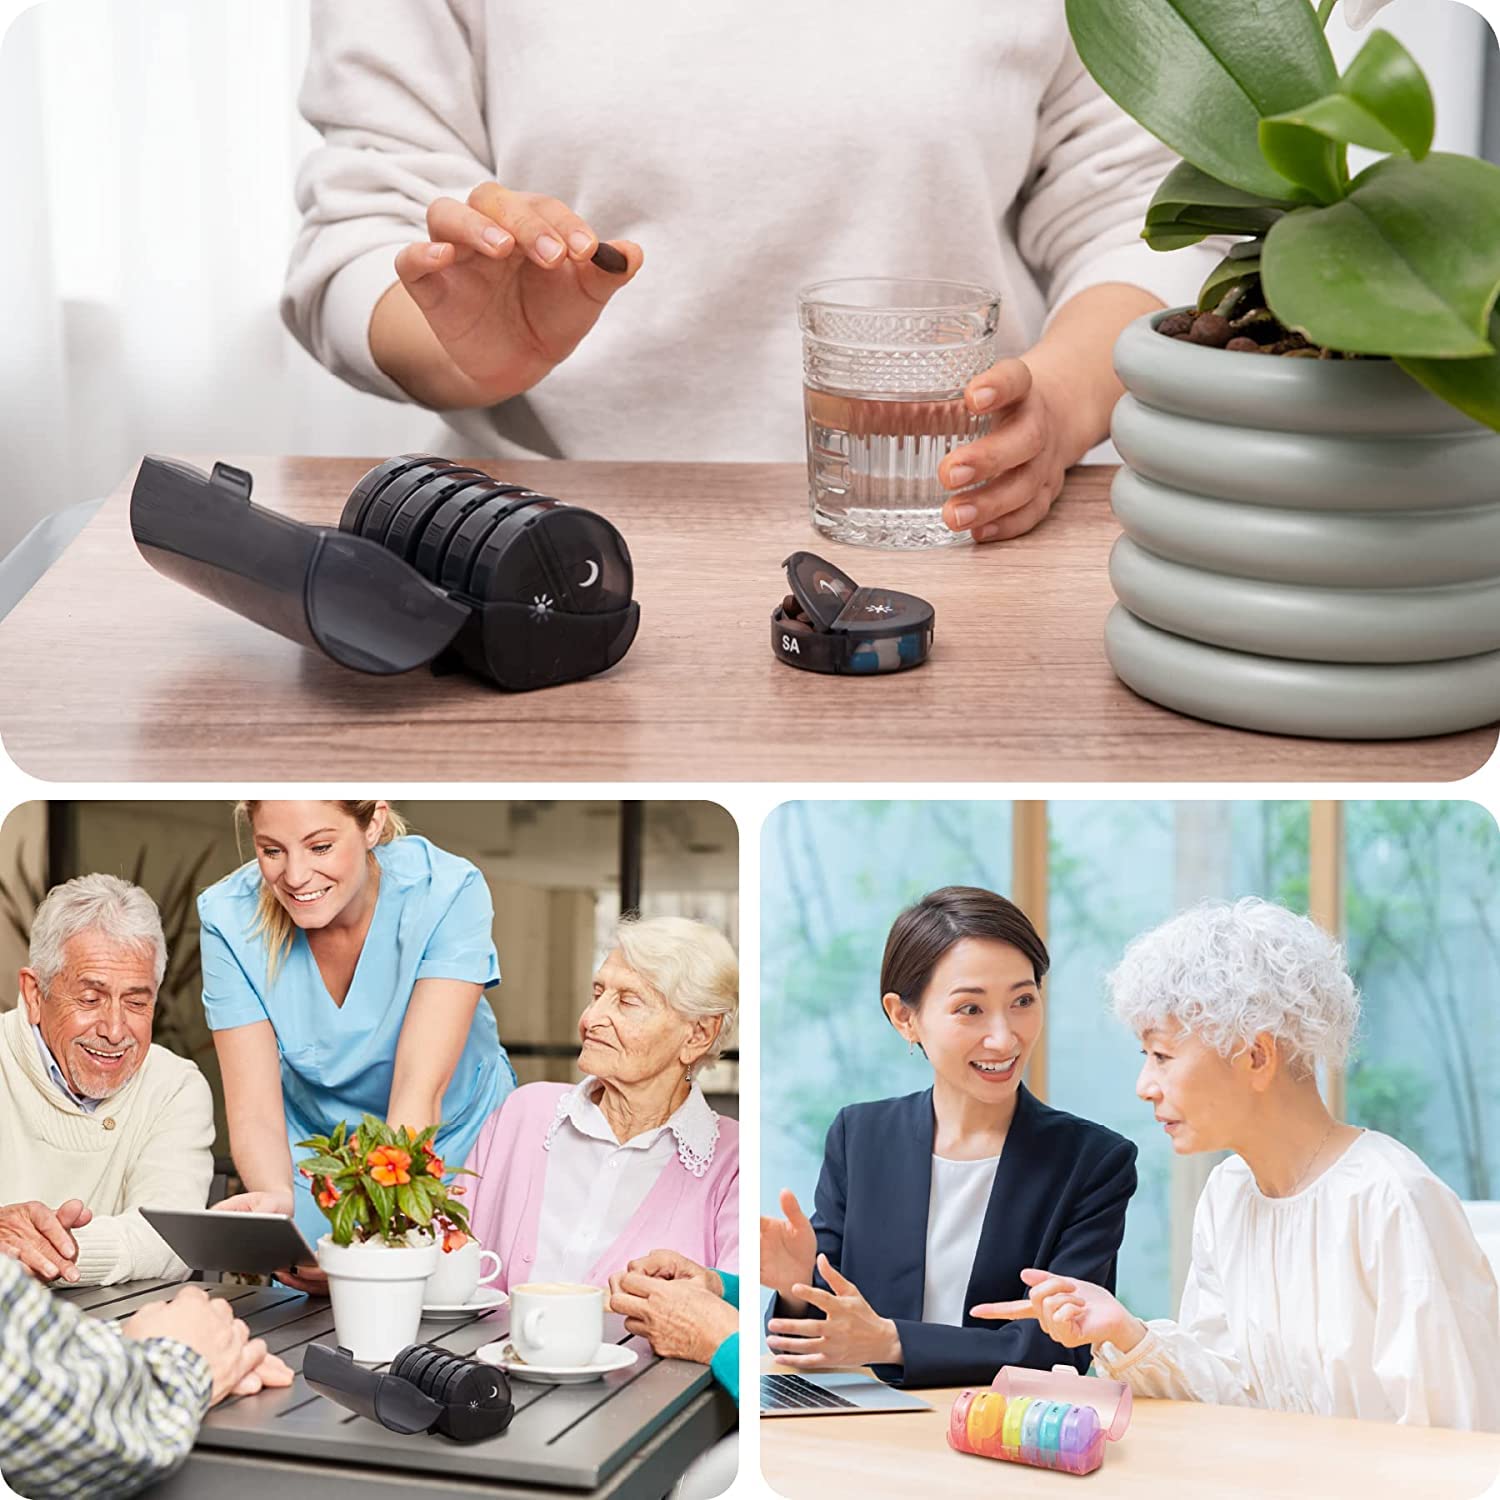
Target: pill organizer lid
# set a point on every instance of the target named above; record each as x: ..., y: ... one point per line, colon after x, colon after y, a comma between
x: 820, y: 588
x: 1111, y: 1399
x: 342, y: 595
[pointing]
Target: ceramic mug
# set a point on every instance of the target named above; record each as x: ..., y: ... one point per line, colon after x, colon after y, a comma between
x: 554, y: 1323
x: 459, y: 1273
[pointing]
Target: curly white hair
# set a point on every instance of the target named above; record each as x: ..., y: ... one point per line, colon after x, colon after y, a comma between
x: 1228, y: 971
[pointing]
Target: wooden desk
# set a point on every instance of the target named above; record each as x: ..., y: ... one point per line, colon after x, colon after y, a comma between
x: 628, y: 1436
x: 112, y: 672
x: 1173, y: 1450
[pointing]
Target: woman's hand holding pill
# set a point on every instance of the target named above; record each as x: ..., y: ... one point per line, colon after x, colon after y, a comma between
x: 1070, y: 1311
x: 501, y: 292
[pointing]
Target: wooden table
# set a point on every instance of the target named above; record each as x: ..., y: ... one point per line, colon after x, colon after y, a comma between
x: 1173, y: 1450
x: 112, y: 672
x: 626, y: 1437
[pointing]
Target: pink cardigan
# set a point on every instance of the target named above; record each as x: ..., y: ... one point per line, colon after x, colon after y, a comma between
x: 696, y: 1216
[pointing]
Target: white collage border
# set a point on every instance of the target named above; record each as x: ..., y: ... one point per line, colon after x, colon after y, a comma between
x: 750, y: 803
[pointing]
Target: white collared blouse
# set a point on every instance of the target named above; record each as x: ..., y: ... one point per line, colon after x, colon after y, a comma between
x: 595, y: 1183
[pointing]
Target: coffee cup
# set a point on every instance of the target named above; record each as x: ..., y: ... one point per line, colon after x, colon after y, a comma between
x: 556, y: 1323
x: 459, y: 1272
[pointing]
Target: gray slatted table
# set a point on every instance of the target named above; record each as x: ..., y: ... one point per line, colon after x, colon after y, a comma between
x: 626, y: 1437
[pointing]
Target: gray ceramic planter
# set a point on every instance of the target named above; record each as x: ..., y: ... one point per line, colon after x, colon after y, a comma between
x: 1311, y: 547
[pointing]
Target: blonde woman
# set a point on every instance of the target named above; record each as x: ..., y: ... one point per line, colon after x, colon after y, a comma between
x: 343, y: 971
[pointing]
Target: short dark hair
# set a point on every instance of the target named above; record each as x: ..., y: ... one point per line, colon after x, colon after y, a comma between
x: 923, y: 933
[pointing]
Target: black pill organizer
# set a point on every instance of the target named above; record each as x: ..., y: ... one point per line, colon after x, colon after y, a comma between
x: 829, y: 623
x: 432, y: 563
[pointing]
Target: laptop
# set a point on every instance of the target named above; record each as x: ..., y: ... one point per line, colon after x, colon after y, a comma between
x: 833, y: 1395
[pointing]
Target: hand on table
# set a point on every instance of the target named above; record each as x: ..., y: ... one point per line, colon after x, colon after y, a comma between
x: 1017, y: 468
x: 508, y: 286
x: 1070, y: 1311
x: 38, y: 1237
x: 668, y: 1265
x: 299, y: 1278
x: 679, y: 1317
x: 240, y: 1365
x: 851, y: 1332
x: 788, y: 1248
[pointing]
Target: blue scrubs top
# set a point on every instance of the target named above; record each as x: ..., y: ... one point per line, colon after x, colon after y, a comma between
x: 432, y: 921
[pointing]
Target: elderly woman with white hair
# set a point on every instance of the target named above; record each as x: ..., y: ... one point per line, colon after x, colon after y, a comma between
x: 575, y: 1181
x: 1332, y: 1272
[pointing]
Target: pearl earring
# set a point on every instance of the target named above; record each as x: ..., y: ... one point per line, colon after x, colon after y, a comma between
x: 911, y: 1047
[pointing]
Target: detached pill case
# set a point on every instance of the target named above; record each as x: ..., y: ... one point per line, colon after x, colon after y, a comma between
x: 1049, y: 1419
x: 432, y: 563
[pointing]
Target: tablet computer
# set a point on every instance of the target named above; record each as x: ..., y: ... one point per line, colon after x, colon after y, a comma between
x: 209, y: 1240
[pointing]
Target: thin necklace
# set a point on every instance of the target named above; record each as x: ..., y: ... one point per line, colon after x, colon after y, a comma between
x: 1297, y: 1187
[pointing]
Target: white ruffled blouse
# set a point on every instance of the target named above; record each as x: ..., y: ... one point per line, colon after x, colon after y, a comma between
x: 595, y: 1183
x: 1365, y: 1295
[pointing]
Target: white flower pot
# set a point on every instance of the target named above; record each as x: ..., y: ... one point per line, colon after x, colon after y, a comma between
x: 377, y: 1294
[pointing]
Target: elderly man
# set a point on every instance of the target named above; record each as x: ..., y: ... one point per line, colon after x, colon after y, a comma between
x: 97, y: 1121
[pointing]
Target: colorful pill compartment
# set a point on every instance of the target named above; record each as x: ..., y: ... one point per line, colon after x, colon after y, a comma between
x: 1050, y: 1419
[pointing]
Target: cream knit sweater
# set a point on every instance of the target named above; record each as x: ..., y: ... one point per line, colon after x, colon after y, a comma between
x: 150, y: 1145
x: 749, y: 146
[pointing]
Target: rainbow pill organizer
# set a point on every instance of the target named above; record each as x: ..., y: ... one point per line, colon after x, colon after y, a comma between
x: 1050, y: 1419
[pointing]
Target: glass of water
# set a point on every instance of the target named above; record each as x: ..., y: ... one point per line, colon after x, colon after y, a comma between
x: 884, y: 365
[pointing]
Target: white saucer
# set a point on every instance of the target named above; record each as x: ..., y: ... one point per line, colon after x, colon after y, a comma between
x: 611, y: 1357
x: 485, y: 1300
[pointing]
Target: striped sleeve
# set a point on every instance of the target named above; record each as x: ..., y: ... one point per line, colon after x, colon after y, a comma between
x: 84, y: 1411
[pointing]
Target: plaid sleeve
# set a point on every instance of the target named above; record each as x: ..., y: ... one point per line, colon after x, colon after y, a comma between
x: 85, y: 1412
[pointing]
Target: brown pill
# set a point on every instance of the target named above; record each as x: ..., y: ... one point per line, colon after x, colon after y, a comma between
x: 607, y: 258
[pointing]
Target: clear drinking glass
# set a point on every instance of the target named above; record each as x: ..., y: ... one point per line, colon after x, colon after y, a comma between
x: 884, y: 365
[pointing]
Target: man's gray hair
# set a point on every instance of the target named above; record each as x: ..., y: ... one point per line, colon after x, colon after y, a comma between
x: 94, y: 903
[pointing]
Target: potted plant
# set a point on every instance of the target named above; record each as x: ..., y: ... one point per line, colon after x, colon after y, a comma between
x: 391, y: 1214
x: 1311, y: 484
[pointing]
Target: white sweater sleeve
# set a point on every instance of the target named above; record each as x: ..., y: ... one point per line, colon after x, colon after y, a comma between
x: 1436, y: 1337
x: 394, y: 89
x: 1194, y: 1358
x: 1093, y: 174
x: 174, y: 1170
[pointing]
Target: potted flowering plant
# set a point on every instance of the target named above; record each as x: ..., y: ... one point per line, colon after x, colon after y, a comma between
x: 1312, y: 533
x: 391, y: 1213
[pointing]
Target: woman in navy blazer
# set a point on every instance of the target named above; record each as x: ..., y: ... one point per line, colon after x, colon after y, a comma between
x: 932, y: 1203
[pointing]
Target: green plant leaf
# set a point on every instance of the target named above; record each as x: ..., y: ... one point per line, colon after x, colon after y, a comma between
x: 1200, y: 74
x: 322, y: 1166
x: 1382, y: 102
x: 383, y: 1201
x: 413, y: 1204
x: 1305, y: 156
x: 342, y: 1219
x: 1229, y: 272
x: 1406, y: 265
x: 1472, y: 385
x: 339, y: 1136
x: 1189, y: 205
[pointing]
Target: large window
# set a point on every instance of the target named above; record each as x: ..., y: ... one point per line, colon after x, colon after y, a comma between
x: 1422, y: 920
x: 1415, y: 888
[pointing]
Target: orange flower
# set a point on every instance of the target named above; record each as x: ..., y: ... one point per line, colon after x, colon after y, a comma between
x: 330, y: 1194
x: 457, y: 1192
x: 455, y: 1239
x: 435, y: 1166
x: 388, y: 1165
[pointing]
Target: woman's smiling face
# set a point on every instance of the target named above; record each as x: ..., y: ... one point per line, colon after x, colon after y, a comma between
x: 313, y: 857
x: 979, y: 1018
x: 629, y: 1032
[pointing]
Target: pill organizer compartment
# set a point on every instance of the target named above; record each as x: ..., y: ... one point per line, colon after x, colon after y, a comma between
x: 1050, y: 1419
